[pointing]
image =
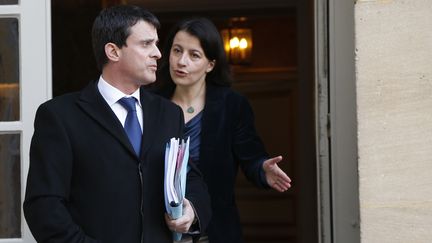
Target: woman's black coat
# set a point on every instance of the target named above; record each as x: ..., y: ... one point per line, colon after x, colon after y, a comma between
x: 228, y: 140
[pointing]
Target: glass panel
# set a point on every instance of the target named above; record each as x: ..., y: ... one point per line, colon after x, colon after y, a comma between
x: 9, y: 70
x: 10, y: 186
x: 8, y: 2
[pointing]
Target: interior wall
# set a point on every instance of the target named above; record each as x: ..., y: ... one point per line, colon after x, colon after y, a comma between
x: 394, y: 97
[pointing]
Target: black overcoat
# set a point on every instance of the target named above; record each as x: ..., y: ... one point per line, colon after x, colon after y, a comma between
x: 228, y: 141
x: 85, y: 182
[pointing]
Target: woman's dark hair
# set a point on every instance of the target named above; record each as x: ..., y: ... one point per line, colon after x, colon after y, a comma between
x: 212, y: 45
x: 113, y: 25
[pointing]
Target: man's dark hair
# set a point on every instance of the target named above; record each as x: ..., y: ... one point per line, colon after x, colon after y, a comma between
x: 113, y: 25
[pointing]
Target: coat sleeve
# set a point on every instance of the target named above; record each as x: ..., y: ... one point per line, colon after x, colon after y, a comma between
x: 248, y: 148
x: 48, y: 182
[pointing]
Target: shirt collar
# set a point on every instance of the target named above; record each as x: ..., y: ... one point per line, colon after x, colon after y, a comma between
x: 111, y: 94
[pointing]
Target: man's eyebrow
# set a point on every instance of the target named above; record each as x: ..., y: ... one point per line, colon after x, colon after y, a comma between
x: 149, y: 40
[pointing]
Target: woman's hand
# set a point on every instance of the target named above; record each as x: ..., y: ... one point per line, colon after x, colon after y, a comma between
x: 276, y: 178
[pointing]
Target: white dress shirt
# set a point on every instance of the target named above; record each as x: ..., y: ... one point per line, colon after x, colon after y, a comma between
x: 112, y: 95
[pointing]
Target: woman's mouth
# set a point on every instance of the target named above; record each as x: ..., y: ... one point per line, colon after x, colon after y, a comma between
x: 180, y: 73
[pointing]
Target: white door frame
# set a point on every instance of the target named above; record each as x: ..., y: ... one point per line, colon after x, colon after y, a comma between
x: 34, y: 28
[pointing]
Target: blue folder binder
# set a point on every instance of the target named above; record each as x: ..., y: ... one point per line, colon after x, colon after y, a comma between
x: 176, y: 159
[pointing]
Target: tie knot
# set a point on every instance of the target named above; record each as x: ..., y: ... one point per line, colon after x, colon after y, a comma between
x: 128, y: 103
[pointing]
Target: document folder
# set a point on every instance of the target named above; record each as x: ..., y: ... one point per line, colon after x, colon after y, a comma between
x: 176, y: 160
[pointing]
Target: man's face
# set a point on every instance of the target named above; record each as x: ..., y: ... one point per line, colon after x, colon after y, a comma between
x: 139, y: 56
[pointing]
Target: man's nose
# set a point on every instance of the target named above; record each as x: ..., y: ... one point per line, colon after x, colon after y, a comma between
x: 156, y: 53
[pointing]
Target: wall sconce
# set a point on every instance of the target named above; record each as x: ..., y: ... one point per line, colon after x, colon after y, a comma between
x: 237, y: 40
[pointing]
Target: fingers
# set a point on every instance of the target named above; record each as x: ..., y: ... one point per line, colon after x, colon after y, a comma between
x: 283, y: 177
x: 278, y: 159
x: 176, y: 225
x: 278, y: 174
x: 275, y: 176
x: 284, y: 182
x: 170, y: 222
x: 186, y: 203
x: 280, y: 186
x: 182, y: 224
x: 279, y: 180
x: 270, y: 165
x: 273, y: 161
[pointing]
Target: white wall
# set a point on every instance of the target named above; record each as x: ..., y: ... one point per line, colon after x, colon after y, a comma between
x: 394, y: 98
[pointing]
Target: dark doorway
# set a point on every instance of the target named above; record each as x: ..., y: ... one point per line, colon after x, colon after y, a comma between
x: 279, y: 83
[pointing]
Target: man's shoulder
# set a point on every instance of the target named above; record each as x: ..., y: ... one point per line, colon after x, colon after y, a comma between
x: 62, y: 100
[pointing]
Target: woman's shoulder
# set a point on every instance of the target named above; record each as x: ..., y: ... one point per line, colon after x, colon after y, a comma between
x: 225, y: 93
x: 228, y: 100
x: 164, y: 91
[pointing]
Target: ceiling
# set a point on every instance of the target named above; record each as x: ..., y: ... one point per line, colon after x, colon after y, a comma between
x: 196, y: 5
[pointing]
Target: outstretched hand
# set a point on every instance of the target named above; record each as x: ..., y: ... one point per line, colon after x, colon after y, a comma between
x: 276, y: 178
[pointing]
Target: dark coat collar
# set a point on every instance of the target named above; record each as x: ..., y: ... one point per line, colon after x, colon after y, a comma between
x: 93, y: 103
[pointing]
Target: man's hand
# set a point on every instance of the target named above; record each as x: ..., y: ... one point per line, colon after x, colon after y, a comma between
x: 182, y: 224
x: 276, y: 178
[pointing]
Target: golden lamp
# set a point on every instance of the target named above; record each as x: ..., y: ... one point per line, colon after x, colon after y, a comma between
x: 237, y: 40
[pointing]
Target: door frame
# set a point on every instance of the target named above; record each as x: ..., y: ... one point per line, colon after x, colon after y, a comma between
x: 34, y: 28
x: 337, y: 122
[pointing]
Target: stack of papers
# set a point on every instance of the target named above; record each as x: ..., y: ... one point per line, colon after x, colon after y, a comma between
x: 176, y: 159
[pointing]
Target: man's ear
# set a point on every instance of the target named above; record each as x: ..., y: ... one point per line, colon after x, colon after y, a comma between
x: 112, y: 52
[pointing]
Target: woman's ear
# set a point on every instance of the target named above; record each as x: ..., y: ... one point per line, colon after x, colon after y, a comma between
x: 210, y: 66
x: 112, y: 52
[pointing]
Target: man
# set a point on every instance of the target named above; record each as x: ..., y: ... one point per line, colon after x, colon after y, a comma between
x: 90, y: 178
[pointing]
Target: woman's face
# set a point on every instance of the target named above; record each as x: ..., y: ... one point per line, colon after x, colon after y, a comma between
x: 188, y: 63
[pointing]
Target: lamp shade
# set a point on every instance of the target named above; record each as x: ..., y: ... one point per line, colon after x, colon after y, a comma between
x: 238, y: 44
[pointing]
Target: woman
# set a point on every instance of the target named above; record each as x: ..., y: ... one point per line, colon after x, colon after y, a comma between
x: 195, y: 75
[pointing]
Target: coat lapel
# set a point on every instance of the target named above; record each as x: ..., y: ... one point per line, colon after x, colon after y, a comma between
x: 94, y: 105
x: 151, y: 114
x: 210, y: 120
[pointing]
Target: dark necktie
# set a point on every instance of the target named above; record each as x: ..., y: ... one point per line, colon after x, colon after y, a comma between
x: 132, y: 126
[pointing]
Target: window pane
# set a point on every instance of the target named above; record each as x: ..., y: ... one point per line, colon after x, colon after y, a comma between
x: 8, y: 2
x: 10, y: 186
x: 9, y: 70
